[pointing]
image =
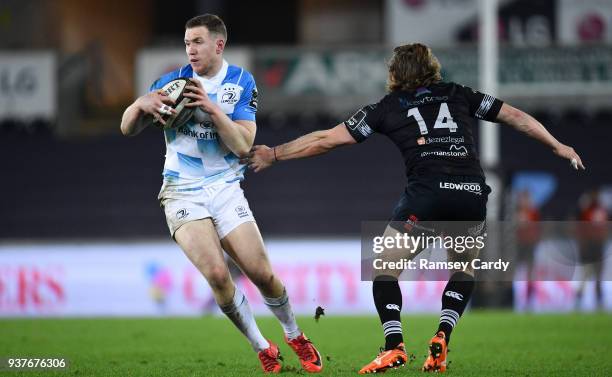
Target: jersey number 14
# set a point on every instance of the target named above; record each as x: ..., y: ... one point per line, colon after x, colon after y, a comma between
x: 444, y: 120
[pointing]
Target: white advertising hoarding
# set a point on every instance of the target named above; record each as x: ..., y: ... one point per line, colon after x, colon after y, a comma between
x: 156, y: 279
x: 432, y: 22
x: 586, y: 21
x: 28, y: 85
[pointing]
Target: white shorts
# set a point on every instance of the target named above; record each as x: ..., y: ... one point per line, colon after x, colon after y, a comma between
x: 224, y: 203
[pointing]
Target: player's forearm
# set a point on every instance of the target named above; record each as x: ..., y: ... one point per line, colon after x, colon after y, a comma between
x: 536, y: 130
x: 236, y: 137
x: 133, y: 120
x: 312, y: 144
x: 527, y: 124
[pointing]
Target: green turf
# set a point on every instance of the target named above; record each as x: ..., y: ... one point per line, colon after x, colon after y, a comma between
x: 484, y: 344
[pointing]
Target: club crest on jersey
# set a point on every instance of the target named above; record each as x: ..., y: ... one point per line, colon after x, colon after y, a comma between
x: 229, y: 95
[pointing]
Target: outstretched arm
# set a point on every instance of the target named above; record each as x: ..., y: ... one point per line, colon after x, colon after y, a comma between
x: 311, y: 144
x: 527, y: 124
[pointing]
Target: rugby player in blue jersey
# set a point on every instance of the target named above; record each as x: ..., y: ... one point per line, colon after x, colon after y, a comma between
x: 205, y: 207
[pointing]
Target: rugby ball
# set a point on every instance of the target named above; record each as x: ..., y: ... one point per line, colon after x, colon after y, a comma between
x: 175, y: 89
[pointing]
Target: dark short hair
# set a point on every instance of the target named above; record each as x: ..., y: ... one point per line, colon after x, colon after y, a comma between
x: 212, y: 22
x: 413, y: 66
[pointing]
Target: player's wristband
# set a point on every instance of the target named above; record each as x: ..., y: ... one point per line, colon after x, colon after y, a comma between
x: 275, y: 158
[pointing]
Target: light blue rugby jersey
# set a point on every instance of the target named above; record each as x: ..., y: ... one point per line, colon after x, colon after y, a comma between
x: 195, y: 155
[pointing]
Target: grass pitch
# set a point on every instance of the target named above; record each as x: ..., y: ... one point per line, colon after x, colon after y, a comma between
x: 483, y: 344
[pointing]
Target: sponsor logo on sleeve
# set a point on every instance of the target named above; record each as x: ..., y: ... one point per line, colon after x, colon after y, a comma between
x: 253, y: 102
x: 357, y: 123
x: 485, y: 106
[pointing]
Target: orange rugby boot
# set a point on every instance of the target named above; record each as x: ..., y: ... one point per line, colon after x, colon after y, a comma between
x: 436, y: 361
x: 270, y: 359
x: 309, y: 357
x: 386, y: 359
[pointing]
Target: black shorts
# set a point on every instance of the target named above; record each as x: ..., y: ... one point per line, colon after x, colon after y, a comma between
x: 433, y: 203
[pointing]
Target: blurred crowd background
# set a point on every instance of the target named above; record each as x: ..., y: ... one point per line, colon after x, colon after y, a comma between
x: 69, y: 68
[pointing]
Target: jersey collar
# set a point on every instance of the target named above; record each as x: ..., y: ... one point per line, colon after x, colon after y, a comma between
x: 211, y: 84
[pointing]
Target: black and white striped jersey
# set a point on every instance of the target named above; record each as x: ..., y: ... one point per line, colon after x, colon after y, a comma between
x: 432, y: 127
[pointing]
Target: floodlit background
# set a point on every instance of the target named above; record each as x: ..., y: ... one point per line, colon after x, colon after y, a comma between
x: 81, y: 232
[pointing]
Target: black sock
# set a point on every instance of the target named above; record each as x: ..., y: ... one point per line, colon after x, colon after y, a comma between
x: 388, y: 301
x: 455, y: 298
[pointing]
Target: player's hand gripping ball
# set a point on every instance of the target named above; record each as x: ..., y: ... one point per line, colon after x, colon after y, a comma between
x: 175, y: 90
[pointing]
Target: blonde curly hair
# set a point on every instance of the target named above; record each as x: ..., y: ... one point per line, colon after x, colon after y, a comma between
x: 412, y: 66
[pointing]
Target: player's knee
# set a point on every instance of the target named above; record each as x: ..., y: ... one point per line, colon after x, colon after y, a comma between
x: 263, y: 280
x: 219, y: 278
